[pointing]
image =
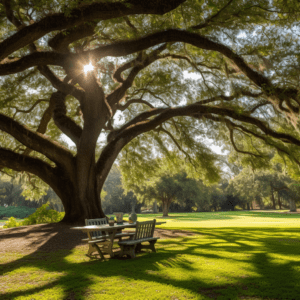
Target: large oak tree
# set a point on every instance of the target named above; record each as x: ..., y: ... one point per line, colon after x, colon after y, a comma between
x: 245, y: 53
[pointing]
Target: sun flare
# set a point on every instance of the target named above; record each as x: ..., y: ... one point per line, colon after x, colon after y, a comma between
x: 88, y: 68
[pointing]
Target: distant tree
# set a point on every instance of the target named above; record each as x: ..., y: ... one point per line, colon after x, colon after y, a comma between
x: 11, y: 193
x: 265, y: 186
x: 115, y: 198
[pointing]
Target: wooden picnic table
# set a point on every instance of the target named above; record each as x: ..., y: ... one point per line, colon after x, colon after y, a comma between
x: 109, y: 241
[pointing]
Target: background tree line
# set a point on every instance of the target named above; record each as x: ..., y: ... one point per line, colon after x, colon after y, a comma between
x: 171, y: 189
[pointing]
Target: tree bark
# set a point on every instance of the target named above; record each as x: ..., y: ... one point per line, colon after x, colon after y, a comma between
x: 155, y: 207
x: 165, y: 207
x: 279, y: 202
x: 248, y: 206
x: 293, y: 205
x: 133, y: 207
x: 273, y: 198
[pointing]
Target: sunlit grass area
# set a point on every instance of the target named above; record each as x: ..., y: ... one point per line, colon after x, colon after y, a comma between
x: 227, y: 219
x: 235, y: 255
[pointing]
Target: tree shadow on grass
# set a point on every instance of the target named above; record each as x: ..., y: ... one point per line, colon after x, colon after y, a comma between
x: 272, y: 279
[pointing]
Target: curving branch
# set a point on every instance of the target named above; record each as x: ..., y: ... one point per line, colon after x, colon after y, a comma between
x: 119, y: 93
x: 228, y: 124
x: 140, y: 118
x: 142, y: 124
x: 64, y: 123
x: 210, y: 19
x: 95, y: 11
x: 132, y: 101
x: 246, y: 130
x: 62, y: 86
x: 175, y: 142
x: 43, y: 123
x: 118, y: 73
x: 19, y: 162
x: 29, y: 109
x: 61, y: 41
x: 172, y: 35
x: 36, y: 141
x: 10, y: 14
x: 252, y: 110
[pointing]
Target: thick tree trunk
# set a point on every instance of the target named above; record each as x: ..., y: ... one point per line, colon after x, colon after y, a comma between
x: 76, y: 209
x: 248, y: 206
x: 293, y: 205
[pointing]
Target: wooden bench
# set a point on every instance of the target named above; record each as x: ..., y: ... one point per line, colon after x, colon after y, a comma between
x: 144, y: 233
x: 103, y: 238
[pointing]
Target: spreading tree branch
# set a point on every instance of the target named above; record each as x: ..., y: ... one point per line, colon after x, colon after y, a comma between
x: 133, y: 101
x: 63, y: 122
x: 210, y: 19
x: 19, y: 162
x: 95, y: 11
x: 36, y: 141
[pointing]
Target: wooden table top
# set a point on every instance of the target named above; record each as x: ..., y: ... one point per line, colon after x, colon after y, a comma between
x: 107, y: 227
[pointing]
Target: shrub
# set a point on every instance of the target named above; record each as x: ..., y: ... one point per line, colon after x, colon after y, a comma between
x: 11, y: 223
x: 42, y: 215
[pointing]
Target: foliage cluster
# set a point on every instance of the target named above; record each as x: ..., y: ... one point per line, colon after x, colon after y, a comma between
x: 42, y: 215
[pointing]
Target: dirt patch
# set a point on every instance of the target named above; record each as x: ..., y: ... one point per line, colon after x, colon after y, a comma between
x: 56, y: 236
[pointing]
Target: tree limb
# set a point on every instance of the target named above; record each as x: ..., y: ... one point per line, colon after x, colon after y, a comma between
x: 207, y: 21
x: 171, y: 35
x: 64, y: 123
x: 119, y: 93
x: 132, y: 101
x: 28, y: 110
x: 61, y: 41
x: 36, y: 141
x: 19, y: 162
x: 95, y: 11
x: 233, y: 143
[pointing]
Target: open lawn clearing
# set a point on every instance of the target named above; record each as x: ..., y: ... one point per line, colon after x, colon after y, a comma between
x: 237, y: 255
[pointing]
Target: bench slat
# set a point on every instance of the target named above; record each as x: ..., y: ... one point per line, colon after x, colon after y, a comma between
x: 97, y: 241
x: 133, y: 242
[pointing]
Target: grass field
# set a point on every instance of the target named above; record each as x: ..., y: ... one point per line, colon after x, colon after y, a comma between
x: 236, y: 255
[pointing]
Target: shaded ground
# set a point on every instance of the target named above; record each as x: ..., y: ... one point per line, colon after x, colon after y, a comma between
x: 55, y: 236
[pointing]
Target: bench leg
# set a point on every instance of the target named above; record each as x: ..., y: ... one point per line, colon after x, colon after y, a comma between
x: 138, y: 248
x: 128, y: 250
x: 93, y: 248
x: 98, y: 250
x: 152, y: 247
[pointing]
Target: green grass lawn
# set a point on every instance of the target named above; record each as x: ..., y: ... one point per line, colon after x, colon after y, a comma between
x: 236, y: 255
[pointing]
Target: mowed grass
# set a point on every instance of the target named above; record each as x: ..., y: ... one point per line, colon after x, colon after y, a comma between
x: 235, y: 255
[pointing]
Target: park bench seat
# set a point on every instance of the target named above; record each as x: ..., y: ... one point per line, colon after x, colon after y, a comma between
x: 102, y: 237
x: 144, y: 233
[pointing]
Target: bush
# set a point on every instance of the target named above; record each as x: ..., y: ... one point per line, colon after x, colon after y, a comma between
x: 42, y: 215
x: 11, y: 223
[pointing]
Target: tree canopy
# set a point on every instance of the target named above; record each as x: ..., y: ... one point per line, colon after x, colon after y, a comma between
x: 113, y: 76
